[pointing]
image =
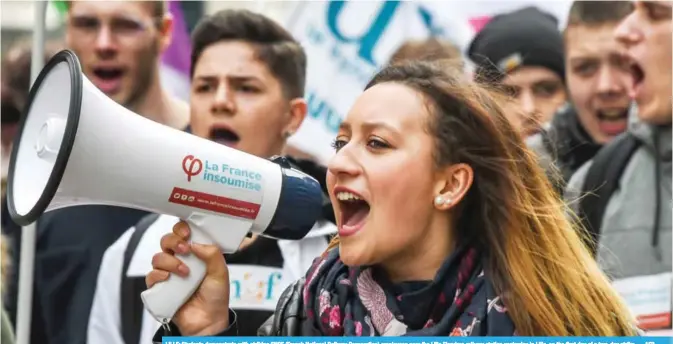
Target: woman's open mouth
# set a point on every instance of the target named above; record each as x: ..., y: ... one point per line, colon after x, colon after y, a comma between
x: 354, y: 212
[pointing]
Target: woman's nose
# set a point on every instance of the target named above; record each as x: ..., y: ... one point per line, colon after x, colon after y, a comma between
x: 344, y: 162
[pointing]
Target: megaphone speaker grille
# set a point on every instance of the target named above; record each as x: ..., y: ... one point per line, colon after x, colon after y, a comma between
x: 46, y: 135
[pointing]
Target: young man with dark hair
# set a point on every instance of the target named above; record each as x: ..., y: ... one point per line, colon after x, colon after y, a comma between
x: 626, y: 188
x: 597, y: 78
x: 274, y: 50
x: 248, y: 77
x: 119, y: 45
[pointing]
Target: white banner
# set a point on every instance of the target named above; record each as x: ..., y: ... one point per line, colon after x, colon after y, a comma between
x: 255, y: 287
x: 649, y: 298
x: 347, y: 41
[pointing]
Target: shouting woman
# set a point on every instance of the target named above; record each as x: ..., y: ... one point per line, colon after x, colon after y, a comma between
x: 447, y: 226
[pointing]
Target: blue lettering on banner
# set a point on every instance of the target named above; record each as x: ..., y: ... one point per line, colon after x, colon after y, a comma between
x: 254, y: 287
x: 364, y: 64
x: 227, y: 175
x: 371, y: 37
x: 416, y: 340
x: 426, y: 16
x: 367, y: 42
x: 261, y: 290
x: 320, y: 109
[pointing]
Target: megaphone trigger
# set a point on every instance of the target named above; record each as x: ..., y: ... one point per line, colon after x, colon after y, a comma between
x: 165, y: 298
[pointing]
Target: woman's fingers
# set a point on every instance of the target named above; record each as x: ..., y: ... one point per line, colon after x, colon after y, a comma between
x: 172, y: 243
x: 155, y: 276
x: 169, y: 263
x: 182, y: 230
x: 176, y: 242
x: 165, y: 263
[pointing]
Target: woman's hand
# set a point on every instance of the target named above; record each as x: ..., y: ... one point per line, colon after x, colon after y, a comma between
x: 206, y: 313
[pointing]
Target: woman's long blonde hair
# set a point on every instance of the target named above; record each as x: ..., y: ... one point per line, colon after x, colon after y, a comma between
x: 535, y: 255
x: 4, y: 263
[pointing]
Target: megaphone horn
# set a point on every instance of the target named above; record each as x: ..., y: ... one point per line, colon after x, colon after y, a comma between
x: 76, y: 146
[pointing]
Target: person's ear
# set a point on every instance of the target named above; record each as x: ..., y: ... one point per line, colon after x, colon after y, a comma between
x: 297, y: 113
x: 453, y: 183
x: 165, y: 31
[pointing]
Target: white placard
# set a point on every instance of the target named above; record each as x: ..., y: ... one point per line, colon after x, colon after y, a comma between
x: 348, y: 41
x: 649, y: 298
x: 255, y: 287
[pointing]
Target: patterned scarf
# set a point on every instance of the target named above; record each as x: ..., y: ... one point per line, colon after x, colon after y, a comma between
x: 460, y: 301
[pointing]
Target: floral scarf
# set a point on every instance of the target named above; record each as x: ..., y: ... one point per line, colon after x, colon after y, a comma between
x: 460, y: 301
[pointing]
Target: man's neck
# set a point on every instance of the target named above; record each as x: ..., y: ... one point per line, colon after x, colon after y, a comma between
x: 159, y: 106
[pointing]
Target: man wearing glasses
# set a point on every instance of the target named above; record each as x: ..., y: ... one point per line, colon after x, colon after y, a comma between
x: 119, y: 44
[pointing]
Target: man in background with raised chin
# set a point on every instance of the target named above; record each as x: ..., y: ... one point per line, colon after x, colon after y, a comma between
x: 597, y: 79
x: 632, y: 229
x: 119, y: 44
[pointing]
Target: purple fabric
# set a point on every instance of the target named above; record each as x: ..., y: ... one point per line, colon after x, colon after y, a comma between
x: 177, y: 54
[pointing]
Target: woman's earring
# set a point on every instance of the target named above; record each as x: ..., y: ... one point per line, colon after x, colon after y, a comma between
x: 288, y: 134
x: 440, y: 201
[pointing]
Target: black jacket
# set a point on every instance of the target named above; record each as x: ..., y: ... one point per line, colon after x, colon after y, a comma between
x: 285, y: 322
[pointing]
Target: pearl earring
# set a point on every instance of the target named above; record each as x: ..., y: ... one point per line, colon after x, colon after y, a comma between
x: 439, y: 200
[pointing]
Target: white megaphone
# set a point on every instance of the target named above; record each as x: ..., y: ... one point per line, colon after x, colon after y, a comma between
x: 75, y: 146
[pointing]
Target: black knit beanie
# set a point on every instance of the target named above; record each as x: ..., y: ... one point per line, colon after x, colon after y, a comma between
x: 527, y: 37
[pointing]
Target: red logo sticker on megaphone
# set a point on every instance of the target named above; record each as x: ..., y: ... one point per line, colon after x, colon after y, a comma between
x: 192, y: 166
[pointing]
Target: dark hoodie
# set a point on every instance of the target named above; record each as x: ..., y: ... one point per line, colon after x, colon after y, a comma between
x: 563, y: 146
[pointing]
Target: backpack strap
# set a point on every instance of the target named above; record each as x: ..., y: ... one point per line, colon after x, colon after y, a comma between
x: 602, y: 180
x: 131, y: 306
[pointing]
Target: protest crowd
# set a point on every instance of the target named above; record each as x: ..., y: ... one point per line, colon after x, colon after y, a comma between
x: 487, y: 168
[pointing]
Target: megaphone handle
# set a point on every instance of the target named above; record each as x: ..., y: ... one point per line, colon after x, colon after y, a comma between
x: 165, y: 298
